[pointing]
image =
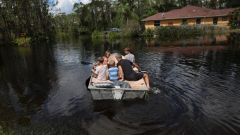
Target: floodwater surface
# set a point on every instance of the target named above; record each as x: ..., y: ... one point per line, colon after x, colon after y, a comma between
x: 42, y: 88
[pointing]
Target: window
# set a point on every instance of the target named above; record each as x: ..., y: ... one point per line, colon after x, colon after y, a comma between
x: 170, y: 23
x: 156, y: 23
x: 215, y: 21
x: 184, y: 20
x: 198, y: 21
x: 224, y: 18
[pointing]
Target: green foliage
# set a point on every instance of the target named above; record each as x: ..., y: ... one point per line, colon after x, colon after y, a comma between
x: 112, y: 34
x: 131, y: 29
x: 149, y: 13
x: 148, y: 32
x: 22, y: 42
x: 118, y: 21
x: 234, y: 22
x: 186, y: 30
x: 184, y: 23
x: 31, y: 17
x: 97, y: 34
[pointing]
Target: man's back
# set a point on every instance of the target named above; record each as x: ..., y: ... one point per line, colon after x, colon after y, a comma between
x: 126, y: 67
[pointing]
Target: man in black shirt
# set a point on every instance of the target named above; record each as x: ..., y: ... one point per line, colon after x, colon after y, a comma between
x: 127, y: 72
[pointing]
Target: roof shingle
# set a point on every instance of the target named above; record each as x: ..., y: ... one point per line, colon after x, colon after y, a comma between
x: 189, y: 12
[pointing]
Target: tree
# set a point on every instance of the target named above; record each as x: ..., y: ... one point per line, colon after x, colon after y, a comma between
x: 28, y: 16
x: 235, y: 19
x: 232, y: 3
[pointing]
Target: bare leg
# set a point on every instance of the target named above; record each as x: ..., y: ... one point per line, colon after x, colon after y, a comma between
x: 146, y: 80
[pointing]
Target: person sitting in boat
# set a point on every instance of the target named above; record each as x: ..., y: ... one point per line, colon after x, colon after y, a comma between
x: 113, y: 72
x: 127, y: 72
x: 129, y: 55
x: 101, y: 70
x: 106, y: 56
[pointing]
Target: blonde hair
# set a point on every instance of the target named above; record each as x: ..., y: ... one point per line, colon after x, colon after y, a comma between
x: 112, y: 63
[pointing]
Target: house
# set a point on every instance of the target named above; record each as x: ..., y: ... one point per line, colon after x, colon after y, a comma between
x: 190, y: 15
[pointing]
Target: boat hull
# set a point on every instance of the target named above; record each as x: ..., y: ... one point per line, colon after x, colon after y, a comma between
x: 109, y: 93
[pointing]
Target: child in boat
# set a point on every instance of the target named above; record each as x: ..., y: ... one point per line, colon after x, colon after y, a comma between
x: 101, y: 70
x: 106, y: 56
x: 128, y: 55
x: 113, y: 72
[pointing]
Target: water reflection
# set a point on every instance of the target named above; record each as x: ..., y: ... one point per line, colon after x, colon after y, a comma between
x: 42, y: 87
x: 193, y: 41
x: 26, y: 75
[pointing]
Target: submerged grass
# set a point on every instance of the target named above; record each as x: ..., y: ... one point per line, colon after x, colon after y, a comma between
x: 22, y: 41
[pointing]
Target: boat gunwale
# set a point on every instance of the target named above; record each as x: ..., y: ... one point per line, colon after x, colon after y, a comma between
x: 92, y: 87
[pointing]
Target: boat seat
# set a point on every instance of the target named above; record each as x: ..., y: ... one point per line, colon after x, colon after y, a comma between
x: 122, y: 84
x: 133, y: 84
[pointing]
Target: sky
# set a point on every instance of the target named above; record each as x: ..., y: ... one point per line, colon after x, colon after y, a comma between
x: 67, y: 5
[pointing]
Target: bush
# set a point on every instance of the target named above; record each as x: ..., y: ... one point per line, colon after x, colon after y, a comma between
x: 97, y: 34
x: 22, y: 41
x: 112, y: 34
x: 185, y: 23
x: 148, y: 32
x: 186, y: 30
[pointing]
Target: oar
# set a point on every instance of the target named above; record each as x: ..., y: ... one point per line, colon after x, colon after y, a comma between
x: 87, y: 82
x: 86, y: 62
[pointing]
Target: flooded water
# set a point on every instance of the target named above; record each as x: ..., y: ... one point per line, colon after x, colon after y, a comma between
x: 42, y: 88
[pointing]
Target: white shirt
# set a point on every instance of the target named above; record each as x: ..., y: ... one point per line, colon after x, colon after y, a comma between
x: 101, y: 72
x: 130, y: 57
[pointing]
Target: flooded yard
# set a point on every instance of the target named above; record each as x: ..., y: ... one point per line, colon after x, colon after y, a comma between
x: 42, y: 88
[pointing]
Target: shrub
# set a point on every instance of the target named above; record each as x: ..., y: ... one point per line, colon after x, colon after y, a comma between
x: 184, y: 23
x: 184, y: 30
x: 22, y: 41
x: 97, y: 34
x: 112, y: 34
x: 148, y: 32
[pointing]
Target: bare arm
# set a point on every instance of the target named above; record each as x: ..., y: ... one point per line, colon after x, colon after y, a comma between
x: 93, y: 71
x: 121, y: 72
x: 135, y: 65
x: 107, y: 76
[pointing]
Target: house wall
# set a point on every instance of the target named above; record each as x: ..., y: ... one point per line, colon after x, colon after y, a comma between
x: 175, y: 22
x: 191, y: 21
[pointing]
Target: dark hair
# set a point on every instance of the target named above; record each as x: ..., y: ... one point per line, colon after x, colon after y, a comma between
x: 100, y: 59
x: 127, y: 49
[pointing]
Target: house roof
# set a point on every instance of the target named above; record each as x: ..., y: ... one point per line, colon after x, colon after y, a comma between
x: 189, y: 12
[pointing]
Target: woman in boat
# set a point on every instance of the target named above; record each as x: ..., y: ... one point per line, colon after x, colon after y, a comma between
x: 106, y: 56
